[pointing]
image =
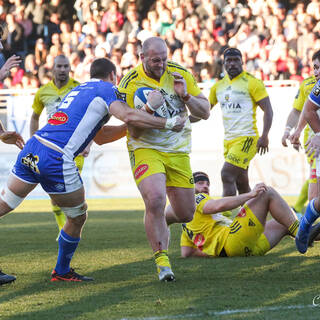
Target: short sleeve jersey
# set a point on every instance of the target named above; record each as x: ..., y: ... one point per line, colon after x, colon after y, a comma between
x: 208, y: 232
x: 82, y: 112
x: 301, y: 97
x: 49, y: 97
x: 161, y: 139
x: 238, y: 100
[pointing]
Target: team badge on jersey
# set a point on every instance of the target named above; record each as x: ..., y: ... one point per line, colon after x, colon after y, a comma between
x: 199, y: 198
x: 31, y: 161
x: 316, y: 90
x: 58, y: 118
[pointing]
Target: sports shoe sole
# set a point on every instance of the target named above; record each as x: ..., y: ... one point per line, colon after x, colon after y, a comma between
x: 315, y: 230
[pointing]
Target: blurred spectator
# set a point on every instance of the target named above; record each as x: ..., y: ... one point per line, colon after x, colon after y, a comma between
x: 14, y: 41
x: 45, y: 70
x: 131, y: 25
x: 38, y: 12
x: 16, y: 74
x: 30, y: 65
x: 172, y: 42
x: 111, y: 15
x: 130, y: 55
x: 60, y: 8
x: 146, y: 31
x: 40, y: 52
x: 116, y: 38
x: 65, y: 35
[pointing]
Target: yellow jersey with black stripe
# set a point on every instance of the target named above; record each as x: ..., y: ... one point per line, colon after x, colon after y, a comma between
x: 238, y: 100
x: 161, y: 139
x: 49, y: 97
x: 301, y: 97
x: 207, y: 232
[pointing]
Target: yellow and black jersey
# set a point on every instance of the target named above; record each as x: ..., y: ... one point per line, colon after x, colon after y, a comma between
x: 49, y: 97
x: 162, y: 140
x: 207, y: 232
x: 301, y: 97
x: 238, y: 100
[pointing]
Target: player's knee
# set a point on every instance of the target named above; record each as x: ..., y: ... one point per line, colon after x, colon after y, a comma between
x: 155, y: 201
x: 10, y: 199
x: 189, y: 212
x: 78, y: 213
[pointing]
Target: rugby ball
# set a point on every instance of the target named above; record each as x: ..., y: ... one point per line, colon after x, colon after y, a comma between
x: 140, y: 99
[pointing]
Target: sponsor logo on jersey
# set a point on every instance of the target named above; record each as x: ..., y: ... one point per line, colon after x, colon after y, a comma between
x: 140, y: 171
x: 31, y: 161
x: 232, y: 157
x: 231, y: 107
x: 242, y: 213
x: 251, y: 223
x: 58, y: 118
x: 191, y: 180
x: 199, y: 240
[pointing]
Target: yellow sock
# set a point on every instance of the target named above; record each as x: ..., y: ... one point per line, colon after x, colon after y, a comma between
x: 293, y: 229
x: 59, y: 215
x: 162, y: 259
x: 303, y: 197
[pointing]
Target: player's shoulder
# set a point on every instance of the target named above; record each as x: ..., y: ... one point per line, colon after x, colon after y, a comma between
x: 74, y: 83
x: 310, y: 81
x: 200, y: 197
x: 250, y: 77
x: 175, y: 67
x: 129, y: 78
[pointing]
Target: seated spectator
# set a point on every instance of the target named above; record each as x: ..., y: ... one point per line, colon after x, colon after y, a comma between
x: 30, y: 65
x: 65, y: 35
x: 128, y: 58
x: 17, y: 74
x: 172, y: 42
x: 14, y: 41
x: 40, y: 52
x: 116, y: 38
x: 131, y: 25
x: 111, y: 15
x: 45, y: 70
x: 146, y: 31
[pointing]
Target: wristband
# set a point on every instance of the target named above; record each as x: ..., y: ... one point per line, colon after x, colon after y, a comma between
x: 288, y: 128
x: 170, y: 123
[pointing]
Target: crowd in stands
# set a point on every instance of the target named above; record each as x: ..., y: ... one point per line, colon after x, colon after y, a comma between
x: 277, y: 38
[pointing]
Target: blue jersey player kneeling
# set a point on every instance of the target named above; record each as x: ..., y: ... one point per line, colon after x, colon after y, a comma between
x: 47, y: 158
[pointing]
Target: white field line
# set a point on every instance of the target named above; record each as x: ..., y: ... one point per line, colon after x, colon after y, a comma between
x: 225, y: 312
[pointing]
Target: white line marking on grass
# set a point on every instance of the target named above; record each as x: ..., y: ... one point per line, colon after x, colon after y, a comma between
x: 224, y: 312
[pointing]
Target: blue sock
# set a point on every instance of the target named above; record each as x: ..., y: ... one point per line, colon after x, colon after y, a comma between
x: 311, y: 214
x: 67, y: 247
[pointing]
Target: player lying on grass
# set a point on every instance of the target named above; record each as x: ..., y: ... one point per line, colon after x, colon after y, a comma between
x: 210, y: 233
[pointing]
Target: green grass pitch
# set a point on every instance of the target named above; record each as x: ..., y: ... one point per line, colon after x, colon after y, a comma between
x: 114, y: 250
